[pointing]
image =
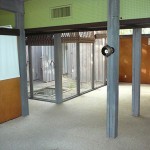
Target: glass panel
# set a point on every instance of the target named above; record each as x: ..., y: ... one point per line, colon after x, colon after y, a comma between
x: 99, y: 64
x: 85, y: 67
x: 69, y: 84
x: 130, y: 31
x: 146, y: 31
x: 126, y: 31
x: 43, y: 72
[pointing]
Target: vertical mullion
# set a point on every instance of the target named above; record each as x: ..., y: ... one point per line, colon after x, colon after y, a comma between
x: 78, y: 66
x: 93, y: 64
x: 30, y: 71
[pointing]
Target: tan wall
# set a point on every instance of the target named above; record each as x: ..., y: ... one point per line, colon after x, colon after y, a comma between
x: 125, y: 74
x: 10, y: 99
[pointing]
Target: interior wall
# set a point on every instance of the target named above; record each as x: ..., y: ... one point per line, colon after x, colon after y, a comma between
x: 38, y: 12
x: 10, y: 99
x: 7, y: 18
x: 83, y: 11
x: 125, y: 74
x: 133, y: 9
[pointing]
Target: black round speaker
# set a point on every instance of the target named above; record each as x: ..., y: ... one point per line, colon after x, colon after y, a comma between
x: 107, y: 50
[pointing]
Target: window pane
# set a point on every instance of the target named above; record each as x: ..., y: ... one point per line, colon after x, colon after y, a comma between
x: 69, y: 84
x: 85, y: 67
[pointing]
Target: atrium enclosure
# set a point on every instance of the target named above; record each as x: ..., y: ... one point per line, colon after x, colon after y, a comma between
x: 57, y: 52
x: 42, y: 77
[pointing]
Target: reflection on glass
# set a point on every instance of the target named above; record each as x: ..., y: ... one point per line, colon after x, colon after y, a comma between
x: 69, y: 85
x: 43, y: 72
x: 99, y: 63
x: 85, y: 67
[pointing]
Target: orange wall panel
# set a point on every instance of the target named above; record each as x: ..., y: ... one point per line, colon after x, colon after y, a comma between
x: 125, y: 74
x: 10, y: 99
x: 145, y: 64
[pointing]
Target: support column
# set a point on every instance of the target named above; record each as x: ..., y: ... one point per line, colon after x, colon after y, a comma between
x: 113, y: 68
x: 22, y: 63
x: 58, y: 67
x: 30, y: 71
x: 136, y: 71
x: 78, y: 67
x: 93, y: 64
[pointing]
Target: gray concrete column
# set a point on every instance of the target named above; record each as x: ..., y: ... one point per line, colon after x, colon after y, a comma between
x: 22, y: 63
x: 113, y: 68
x: 58, y: 67
x: 136, y: 71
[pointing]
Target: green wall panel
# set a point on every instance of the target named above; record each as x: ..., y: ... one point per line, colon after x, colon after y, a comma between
x: 7, y: 18
x: 132, y: 9
x: 37, y: 12
x: 83, y: 11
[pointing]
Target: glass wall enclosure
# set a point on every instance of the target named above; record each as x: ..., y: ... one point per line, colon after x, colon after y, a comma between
x: 83, y: 66
x: 43, y: 72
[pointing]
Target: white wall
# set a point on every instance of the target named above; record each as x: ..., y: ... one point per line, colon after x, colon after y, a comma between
x: 9, y: 64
